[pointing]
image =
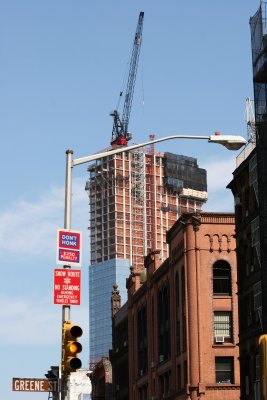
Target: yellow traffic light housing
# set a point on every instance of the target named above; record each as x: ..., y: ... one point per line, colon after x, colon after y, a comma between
x: 71, y: 347
x: 263, y: 365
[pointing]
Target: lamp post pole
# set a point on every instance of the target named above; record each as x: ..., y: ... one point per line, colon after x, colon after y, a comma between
x: 231, y: 142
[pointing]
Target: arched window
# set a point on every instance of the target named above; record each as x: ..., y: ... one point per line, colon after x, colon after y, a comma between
x: 222, y: 282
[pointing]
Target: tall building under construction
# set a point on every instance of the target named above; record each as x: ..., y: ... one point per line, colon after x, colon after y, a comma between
x: 134, y: 198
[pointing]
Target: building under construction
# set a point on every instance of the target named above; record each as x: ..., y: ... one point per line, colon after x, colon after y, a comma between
x: 134, y: 197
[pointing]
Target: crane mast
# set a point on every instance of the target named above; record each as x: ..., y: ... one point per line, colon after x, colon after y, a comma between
x: 120, y: 134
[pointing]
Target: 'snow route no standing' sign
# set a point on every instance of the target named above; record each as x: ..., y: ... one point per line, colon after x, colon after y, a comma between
x: 69, y: 247
x: 67, y: 286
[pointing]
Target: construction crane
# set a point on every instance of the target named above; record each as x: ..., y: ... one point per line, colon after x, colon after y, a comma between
x: 120, y: 134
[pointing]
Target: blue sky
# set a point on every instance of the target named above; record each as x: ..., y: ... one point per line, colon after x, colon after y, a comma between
x: 61, y: 71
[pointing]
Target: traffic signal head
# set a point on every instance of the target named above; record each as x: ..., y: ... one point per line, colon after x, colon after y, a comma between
x: 71, y: 347
x: 53, y: 373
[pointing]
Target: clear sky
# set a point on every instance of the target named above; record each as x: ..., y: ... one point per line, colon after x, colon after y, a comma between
x: 61, y: 70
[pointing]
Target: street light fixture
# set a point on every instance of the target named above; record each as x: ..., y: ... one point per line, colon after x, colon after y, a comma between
x: 231, y: 142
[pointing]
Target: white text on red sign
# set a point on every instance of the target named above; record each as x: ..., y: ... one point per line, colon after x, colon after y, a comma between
x: 67, y: 286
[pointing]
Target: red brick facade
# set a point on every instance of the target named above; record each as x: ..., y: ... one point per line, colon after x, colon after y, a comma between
x: 183, y: 320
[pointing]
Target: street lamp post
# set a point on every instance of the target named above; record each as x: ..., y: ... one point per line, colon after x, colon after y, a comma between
x: 231, y: 142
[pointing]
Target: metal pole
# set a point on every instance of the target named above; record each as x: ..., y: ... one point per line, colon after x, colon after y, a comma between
x: 67, y: 225
x: 67, y: 216
x: 68, y: 183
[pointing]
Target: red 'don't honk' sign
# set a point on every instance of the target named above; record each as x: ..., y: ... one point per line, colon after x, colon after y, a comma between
x: 69, y: 247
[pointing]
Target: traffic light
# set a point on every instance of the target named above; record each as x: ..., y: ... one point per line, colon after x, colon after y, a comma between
x: 53, y: 373
x: 53, y: 378
x: 263, y: 365
x: 71, y: 347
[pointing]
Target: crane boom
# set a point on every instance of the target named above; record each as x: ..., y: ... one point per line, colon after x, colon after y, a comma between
x: 120, y: 134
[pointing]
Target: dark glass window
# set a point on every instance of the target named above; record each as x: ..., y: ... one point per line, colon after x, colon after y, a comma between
x: 183, y: 320
x: 177, y: 290
x: 163, y: 324
x: 222, y: 284
x: 178, y: 338
x: 224, y: 369
x: 142, y: 393
x: 142, y: 340
x: 164, y: 384
x: 185, y: 373
x: 177, y: 314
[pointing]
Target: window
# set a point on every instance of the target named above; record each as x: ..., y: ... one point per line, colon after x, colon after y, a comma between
x: 185, y: 373
x: 161, y: 386
x: 142, y: 340
x: 222, y: 279
x: 164, y: 384
x: 222, y: 326
x: 163, y: 324
x: 257, y: 300
x: 177, y: 290
x: 179, y: 378
x: 224, y: 370
x: 183, y: 320
x: 142, y: 393
x: 178, y: 338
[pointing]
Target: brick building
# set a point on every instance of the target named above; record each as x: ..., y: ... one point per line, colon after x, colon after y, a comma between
x: 101, y: 380
x: 183, y: 320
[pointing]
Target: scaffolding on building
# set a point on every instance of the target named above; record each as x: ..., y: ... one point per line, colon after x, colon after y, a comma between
x: 151, y: 199
x: 137, y: 195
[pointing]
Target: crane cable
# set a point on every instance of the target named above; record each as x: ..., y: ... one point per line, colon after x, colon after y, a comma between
x: 123, y: 83
x: 125, y: 77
